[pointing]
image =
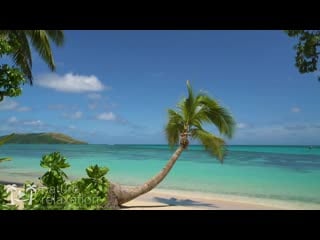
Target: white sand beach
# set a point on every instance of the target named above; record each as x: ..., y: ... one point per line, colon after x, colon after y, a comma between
x: 160, y: 199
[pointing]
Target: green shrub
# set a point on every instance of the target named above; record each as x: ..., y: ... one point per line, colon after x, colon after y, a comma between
x: 5, y: 203
x: 85, y: 194
x: 3, y: 197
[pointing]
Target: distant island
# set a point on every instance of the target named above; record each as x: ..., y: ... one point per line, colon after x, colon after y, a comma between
x: 42, y: 138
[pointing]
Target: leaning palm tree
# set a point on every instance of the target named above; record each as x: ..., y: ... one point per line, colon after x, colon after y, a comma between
x: 183, y: 124
x: 19, y: 41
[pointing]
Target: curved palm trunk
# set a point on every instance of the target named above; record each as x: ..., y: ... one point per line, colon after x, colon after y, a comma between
x: 124, y: 195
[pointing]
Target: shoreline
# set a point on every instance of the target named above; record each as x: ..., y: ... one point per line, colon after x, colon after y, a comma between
x: 173, y: 199
x: 19, y: 184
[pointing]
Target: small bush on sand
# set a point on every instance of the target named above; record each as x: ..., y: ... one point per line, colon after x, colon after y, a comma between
x: 57, y: 194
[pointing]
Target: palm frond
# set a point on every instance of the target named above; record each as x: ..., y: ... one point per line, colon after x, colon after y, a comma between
x: 213, y: 112
x: 21, y: 52
x: 182, y: 108
x: 56, y: 36
x: 214, y: 145
x: 189, y: 103
x: 174, y: 127
x: 20, y: 41
x: 40, y: 42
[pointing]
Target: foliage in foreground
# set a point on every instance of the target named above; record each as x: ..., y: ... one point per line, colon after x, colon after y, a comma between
x: 307, y: 49
x: 16, y: 45
x: 88, y: 193
x: 11, y: 77
x: 4, y: 202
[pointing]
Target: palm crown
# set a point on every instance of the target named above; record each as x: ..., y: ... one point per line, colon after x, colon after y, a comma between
x: 192, y: 113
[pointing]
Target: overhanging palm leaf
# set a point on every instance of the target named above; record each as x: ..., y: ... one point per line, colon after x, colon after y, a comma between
x: 40, y: 42
x: 40, y: 39
x: 21, y: 52
x: 212, y: 144
x: 217, y: 115
x: 189, y: 103
x: 56, y: 36
x: 174, y: 127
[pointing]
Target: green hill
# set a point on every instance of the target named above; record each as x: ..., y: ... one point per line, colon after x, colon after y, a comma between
x: 42, y: 138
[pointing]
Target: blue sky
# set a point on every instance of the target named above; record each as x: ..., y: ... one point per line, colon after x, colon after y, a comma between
x: 116, y: 86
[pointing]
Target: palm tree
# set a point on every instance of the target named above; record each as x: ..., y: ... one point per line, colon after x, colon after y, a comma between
x: 183, y: 124
x: 19, y: 41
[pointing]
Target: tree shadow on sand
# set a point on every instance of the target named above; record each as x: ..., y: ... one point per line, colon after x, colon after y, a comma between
x: 183, y: 202
x: 144, y: 206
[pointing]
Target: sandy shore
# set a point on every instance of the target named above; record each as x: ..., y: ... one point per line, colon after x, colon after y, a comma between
x: 160, y: 199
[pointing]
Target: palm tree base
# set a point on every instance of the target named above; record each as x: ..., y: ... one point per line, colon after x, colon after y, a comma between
x: 113, y: 203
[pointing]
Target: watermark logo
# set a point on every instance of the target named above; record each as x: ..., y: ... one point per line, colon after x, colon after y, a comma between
x: 12, y: 189
x: 16, y: 194
x: 32, y: 189
x: 55, y: 195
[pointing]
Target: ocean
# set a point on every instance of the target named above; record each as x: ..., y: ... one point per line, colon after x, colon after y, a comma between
x: 281, y: 176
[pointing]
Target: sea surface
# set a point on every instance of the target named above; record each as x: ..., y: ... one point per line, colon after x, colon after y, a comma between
x: 282, y: 176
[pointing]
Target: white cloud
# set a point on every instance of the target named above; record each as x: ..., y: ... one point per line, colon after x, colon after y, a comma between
x: 94, y: 96
x: 8, y: 105
x: 110, y: 116
x: 75, y: 115
x: 33, y: 123
x: 242, y: 125
x: 12, y: 120
x: 72, y: 127
x: 70, y: 83
x: 295, y: 109
x: 23, y: 109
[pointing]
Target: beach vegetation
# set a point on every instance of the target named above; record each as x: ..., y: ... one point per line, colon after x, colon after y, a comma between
x: 4, y: 199
x: 11, y: 77
x: 56, y: 193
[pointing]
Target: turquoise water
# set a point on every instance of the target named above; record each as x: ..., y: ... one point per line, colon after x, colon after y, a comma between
x: 284, y: 173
